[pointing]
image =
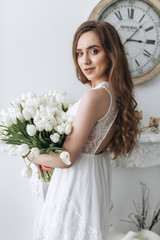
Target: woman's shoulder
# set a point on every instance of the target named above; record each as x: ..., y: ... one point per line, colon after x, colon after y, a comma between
x: 96, y: 95
x: 96, y: 102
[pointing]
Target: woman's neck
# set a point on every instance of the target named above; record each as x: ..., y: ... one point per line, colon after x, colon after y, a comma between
x: 96, y: 83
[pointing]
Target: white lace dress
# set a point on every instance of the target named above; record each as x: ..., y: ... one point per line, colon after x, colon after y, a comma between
x: 77, y: 204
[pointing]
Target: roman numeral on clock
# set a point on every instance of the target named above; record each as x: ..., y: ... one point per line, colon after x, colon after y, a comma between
x: 137, y: 62
x: 149, y: 29
x: 146, y: 53
x: 118, y: 15
x: 150, y: 41
x: 130, y: 13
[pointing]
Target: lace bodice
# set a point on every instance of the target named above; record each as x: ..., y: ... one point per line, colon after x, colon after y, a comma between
x: 103, y: 125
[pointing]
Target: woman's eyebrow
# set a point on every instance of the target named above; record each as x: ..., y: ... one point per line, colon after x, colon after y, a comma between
x: 89, y: 47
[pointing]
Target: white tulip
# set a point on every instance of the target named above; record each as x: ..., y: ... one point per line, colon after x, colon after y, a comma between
x: 40, y: 125
x: 59, y: 129
x: 58, y: 97
x: 59, y: 108
x: 16, y: 103
x: 8, y: 122
x: 23, y: 104
x: 12, y: 114
x: 55, y: 105
x: 34, y: 153
x: 63, y: 116
x: 6, y: 118
x: 53, y: 122
x: 50, y: 92
x: 59, y: 119
x: 23, y: 149
x: 70, y: 118
x: 54, y: 93
x: 24, y: 96
x: 43, y: 114
x: 65, y: 156
x: 27, y: 101
x: 19, y: 115
x: 36, y: 102
x: 55, y: 137
x: 48, y: 127
x: 26, y: 114
x: 52, y: 101
x: 54, y: 110
x: 63, y: 124
x: 31, y: 129
x: 30, y: 95
x: 32, y: 112
x: 41, y: 108
x: 65, y: 104
x: 13, y: 150
x: 26, y: 172
x: 45, y: 96
x: 38, y: 113
x: 63, y: 98
x: 36, y: 119
x: 68, y: 129
x: 49, y: 110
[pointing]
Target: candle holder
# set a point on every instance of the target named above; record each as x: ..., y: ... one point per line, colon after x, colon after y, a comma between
x: 153, y: 125
x: 154, y: 122
x: 139, y: 114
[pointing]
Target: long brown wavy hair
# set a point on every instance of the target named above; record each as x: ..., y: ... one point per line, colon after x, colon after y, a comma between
x: 120, y: 82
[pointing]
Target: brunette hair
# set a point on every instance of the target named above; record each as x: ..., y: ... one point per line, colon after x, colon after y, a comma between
x: 120, y: 82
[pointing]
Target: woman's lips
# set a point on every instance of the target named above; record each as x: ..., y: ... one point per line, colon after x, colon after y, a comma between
x: 88, y: 70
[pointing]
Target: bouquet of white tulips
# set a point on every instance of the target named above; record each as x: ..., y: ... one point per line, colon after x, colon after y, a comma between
x: 36, y: 125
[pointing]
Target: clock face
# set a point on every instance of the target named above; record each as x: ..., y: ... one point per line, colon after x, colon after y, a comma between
x: 138, y: 25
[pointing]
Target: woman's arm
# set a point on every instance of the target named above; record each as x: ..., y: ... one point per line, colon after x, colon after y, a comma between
x: 94, y: 104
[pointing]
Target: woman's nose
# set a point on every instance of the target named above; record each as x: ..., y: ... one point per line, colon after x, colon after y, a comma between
x: 87, y: 59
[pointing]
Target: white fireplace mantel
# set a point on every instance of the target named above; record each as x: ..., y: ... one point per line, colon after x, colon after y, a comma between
x: 146, y: 154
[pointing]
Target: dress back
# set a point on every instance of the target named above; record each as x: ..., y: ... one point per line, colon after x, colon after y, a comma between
x: 103, y: 125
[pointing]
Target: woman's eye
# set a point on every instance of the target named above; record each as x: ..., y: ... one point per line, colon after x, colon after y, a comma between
x: 94, y: 51
x: 79, y: 53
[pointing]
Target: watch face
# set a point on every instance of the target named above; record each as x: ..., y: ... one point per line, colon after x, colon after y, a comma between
x: 138, y: 24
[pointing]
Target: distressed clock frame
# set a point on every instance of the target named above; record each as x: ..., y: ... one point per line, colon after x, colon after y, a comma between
x: 94, y: 16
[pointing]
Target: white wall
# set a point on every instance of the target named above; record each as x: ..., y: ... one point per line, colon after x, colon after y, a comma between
x: 35, y: 54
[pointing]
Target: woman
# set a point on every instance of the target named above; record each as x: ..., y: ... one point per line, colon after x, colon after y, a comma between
x: 78, y: 200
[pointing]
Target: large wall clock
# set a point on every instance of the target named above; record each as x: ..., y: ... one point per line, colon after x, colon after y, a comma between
x: 138, y: 24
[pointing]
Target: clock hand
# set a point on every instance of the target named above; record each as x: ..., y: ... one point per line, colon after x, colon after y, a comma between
x: 134, y: 40
x: 133, y: 34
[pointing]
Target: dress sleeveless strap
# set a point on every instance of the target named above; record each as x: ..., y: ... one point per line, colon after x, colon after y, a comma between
x: 103, y: 125
x: 110, y: 114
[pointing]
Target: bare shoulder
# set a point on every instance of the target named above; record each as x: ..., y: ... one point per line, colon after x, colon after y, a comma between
x: 96, y: 96
x: 96, y: 101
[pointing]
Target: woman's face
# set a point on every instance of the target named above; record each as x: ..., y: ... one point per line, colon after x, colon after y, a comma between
x: 91, y: 57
